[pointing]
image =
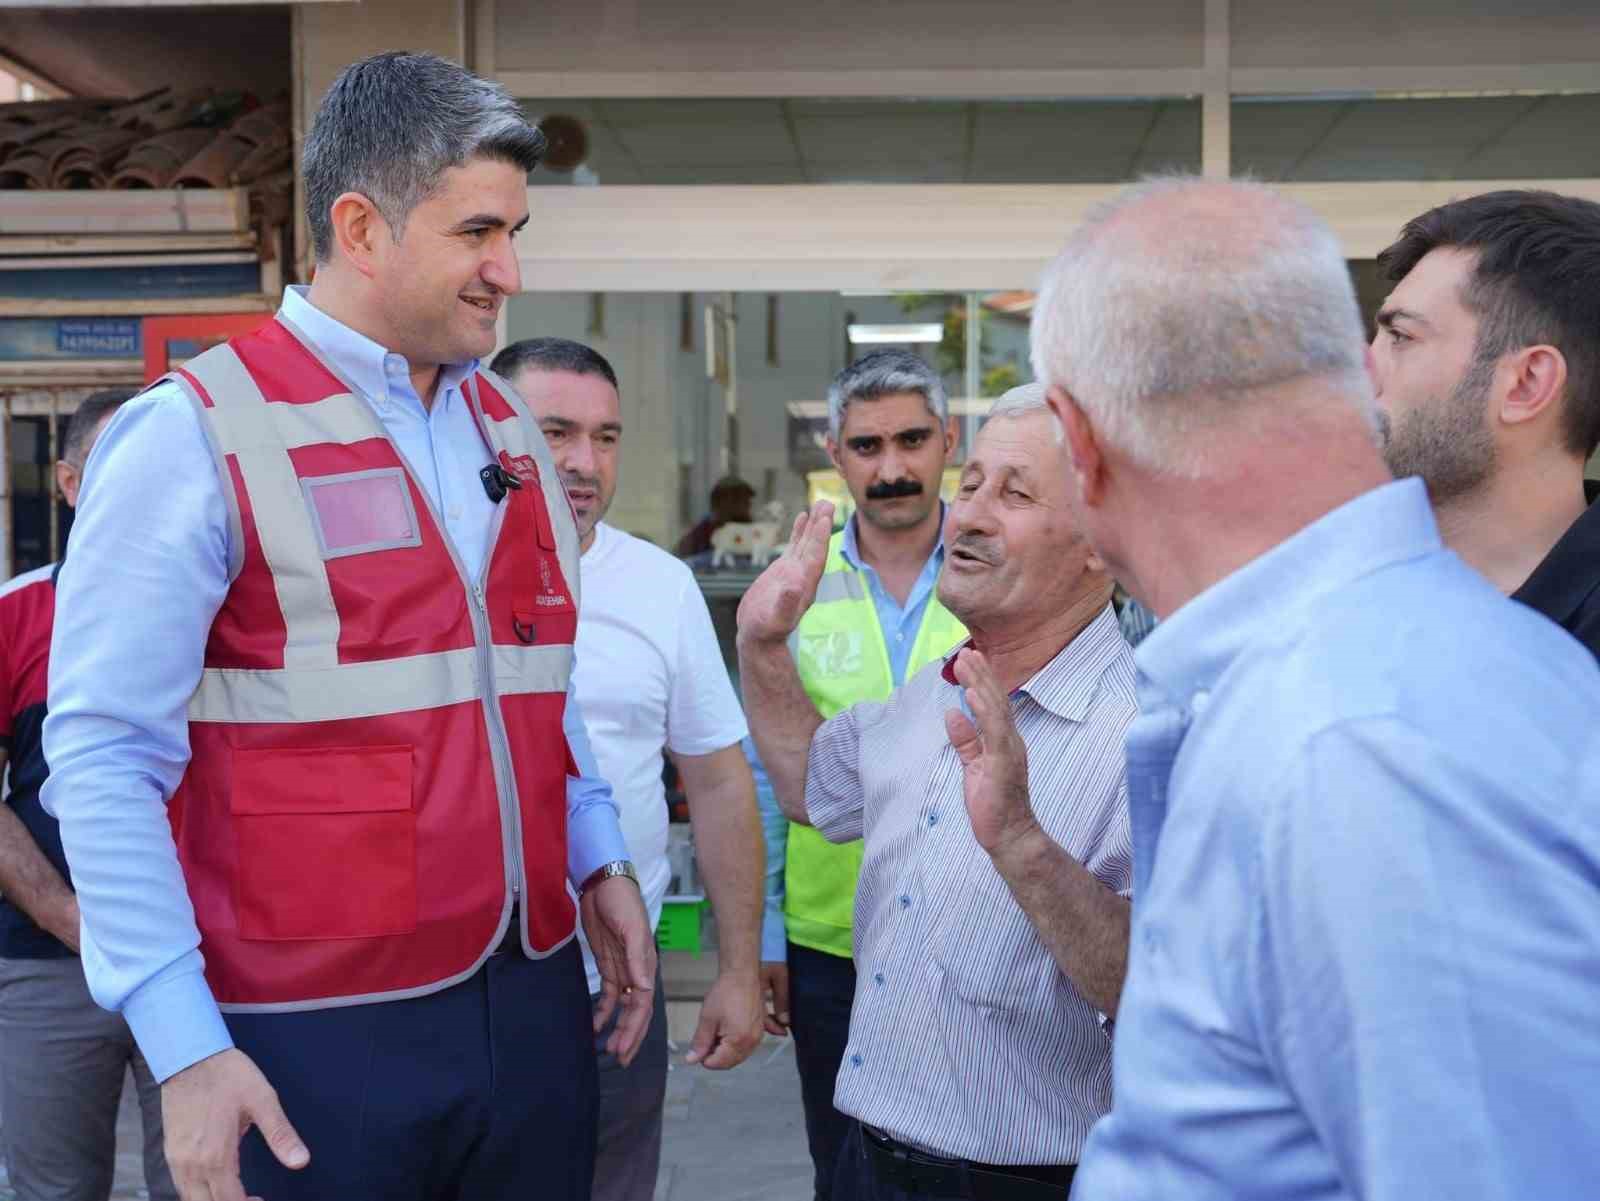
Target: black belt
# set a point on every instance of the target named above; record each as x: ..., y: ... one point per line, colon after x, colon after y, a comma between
x: 918, y: 1172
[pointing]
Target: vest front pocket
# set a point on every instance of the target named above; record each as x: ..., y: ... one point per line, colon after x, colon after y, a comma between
x: 327, y: 842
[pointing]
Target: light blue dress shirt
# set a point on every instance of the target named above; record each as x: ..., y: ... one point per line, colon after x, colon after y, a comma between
x: 146, y: 572
x: 1365, y: 955
x: 899, y: 624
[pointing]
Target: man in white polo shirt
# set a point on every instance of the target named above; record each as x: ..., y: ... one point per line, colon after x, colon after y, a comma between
x: 652, y: 679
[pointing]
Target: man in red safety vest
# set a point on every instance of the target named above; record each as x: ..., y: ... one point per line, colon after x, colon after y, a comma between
x: 322, y: 785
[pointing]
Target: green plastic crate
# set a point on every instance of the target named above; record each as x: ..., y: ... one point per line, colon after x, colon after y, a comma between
x: 679, y: 929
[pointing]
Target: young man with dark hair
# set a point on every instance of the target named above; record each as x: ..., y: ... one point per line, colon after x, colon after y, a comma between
x: 62, y: 1057
x: 1487, y: 361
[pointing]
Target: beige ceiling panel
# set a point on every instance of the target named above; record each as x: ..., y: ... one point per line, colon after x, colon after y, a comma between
x: 840, y: 35
x: 1401, y: 33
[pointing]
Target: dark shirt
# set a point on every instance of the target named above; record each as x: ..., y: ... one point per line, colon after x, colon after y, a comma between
x: 1566, y: 586
x: 27, y: 611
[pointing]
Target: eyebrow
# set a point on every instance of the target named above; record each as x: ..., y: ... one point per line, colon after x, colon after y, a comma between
x: 1388, y: 316
x: 910, y: 429
x: 486, y: 221
x: 568, y: 425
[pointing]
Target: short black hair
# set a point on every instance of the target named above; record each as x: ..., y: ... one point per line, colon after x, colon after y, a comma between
x: 552, y: 354
x: 81, y: 425
x: 1536, y: 281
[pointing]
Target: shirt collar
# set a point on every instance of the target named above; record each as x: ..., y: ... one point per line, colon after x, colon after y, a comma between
x: 1067, y: 684
x: 1189, y: 651
x: 850, y: 549
x: 1570, y: 573
x: 364, y: 364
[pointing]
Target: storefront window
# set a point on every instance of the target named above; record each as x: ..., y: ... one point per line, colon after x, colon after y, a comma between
x: 671, y: 352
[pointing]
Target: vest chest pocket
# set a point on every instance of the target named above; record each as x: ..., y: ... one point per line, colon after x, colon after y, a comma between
x: 327, y: 842
x: 361, y: 511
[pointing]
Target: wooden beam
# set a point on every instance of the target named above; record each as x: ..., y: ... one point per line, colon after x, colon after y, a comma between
x: 149, y: 306
x: 145, y: 211
x: 71, y: 244
x: 30, y: 374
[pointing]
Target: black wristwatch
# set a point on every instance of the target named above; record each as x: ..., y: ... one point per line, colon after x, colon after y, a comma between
x: 617, y: 867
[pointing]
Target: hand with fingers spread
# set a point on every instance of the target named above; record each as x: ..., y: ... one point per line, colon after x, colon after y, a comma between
x: 730, y: 1022
x: 206, y: 1109
x: 993, y: 757
x: 618, y: 929
x: 773, y: 606
x: 775, y: 991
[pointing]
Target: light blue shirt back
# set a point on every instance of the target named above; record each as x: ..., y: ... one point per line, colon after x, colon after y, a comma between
x: 146, y: 572
x: 1365, y: 957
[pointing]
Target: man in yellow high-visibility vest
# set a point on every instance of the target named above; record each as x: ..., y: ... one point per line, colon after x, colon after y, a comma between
x: 875, y: 622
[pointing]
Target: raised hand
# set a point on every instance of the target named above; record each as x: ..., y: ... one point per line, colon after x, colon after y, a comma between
x: 993, y: 757
x: 773, y: 605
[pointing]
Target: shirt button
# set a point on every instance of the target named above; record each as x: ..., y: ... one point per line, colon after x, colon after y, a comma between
x: 905, y: 901
x: 855, y: 1061
x: 933, y: 819
x: 878, y: 979
x: 1199, y: 701
x: 899, y: 637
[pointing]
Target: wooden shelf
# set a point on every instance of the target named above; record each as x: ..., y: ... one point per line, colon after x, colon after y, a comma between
x: 150, y: 306
x: 19, y: 245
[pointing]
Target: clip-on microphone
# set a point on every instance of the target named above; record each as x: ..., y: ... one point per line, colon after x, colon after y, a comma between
x: 497, y: 481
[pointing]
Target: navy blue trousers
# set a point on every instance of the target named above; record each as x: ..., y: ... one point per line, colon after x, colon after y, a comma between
x: 485, y: 1091
x: 822, y: 988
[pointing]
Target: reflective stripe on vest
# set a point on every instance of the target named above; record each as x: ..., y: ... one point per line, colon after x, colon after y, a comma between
x: 842, y: 659
x: 351, y: 690
x: 283, y: 522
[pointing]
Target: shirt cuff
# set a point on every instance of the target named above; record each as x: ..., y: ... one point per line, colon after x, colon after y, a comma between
x: 774, y: 938
x: 594, y: 839
x: 175, y: 1021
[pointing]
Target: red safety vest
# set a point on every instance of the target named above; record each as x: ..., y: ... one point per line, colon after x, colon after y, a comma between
x: 378, y: 764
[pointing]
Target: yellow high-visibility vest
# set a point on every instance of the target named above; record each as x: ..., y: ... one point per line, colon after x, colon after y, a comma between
x: 843, y: 659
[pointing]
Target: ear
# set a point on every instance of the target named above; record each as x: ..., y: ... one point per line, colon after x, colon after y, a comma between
x: 1083, y: 446
x: 952, y: 434
x: 833, y: 453
x: 67, y: 482
x: 357, y: 228
x: 1534, y: 380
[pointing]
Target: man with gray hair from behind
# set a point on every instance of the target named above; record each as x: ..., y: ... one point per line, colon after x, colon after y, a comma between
x: 1364, y: 786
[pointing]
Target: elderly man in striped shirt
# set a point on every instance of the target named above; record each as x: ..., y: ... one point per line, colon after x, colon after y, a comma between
x: 991, y: 921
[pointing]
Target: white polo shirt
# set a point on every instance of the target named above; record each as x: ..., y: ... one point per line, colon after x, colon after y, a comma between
x: 651, y: 676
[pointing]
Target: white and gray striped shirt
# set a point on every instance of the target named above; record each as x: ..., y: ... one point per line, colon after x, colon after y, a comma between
x: 965, y: 1038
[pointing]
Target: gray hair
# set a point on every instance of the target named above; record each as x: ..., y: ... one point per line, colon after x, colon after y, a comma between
x: 1210, y: 290
x: 1023, y: 400
x: 393, y: 124
x: 884, y: 373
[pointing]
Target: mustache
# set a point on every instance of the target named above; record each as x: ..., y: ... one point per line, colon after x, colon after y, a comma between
x: 985, y: 550
x: 573, y: 480
x: 894, y: 489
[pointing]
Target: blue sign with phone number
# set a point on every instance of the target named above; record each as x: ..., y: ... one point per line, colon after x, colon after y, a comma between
x: 99, y: 336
